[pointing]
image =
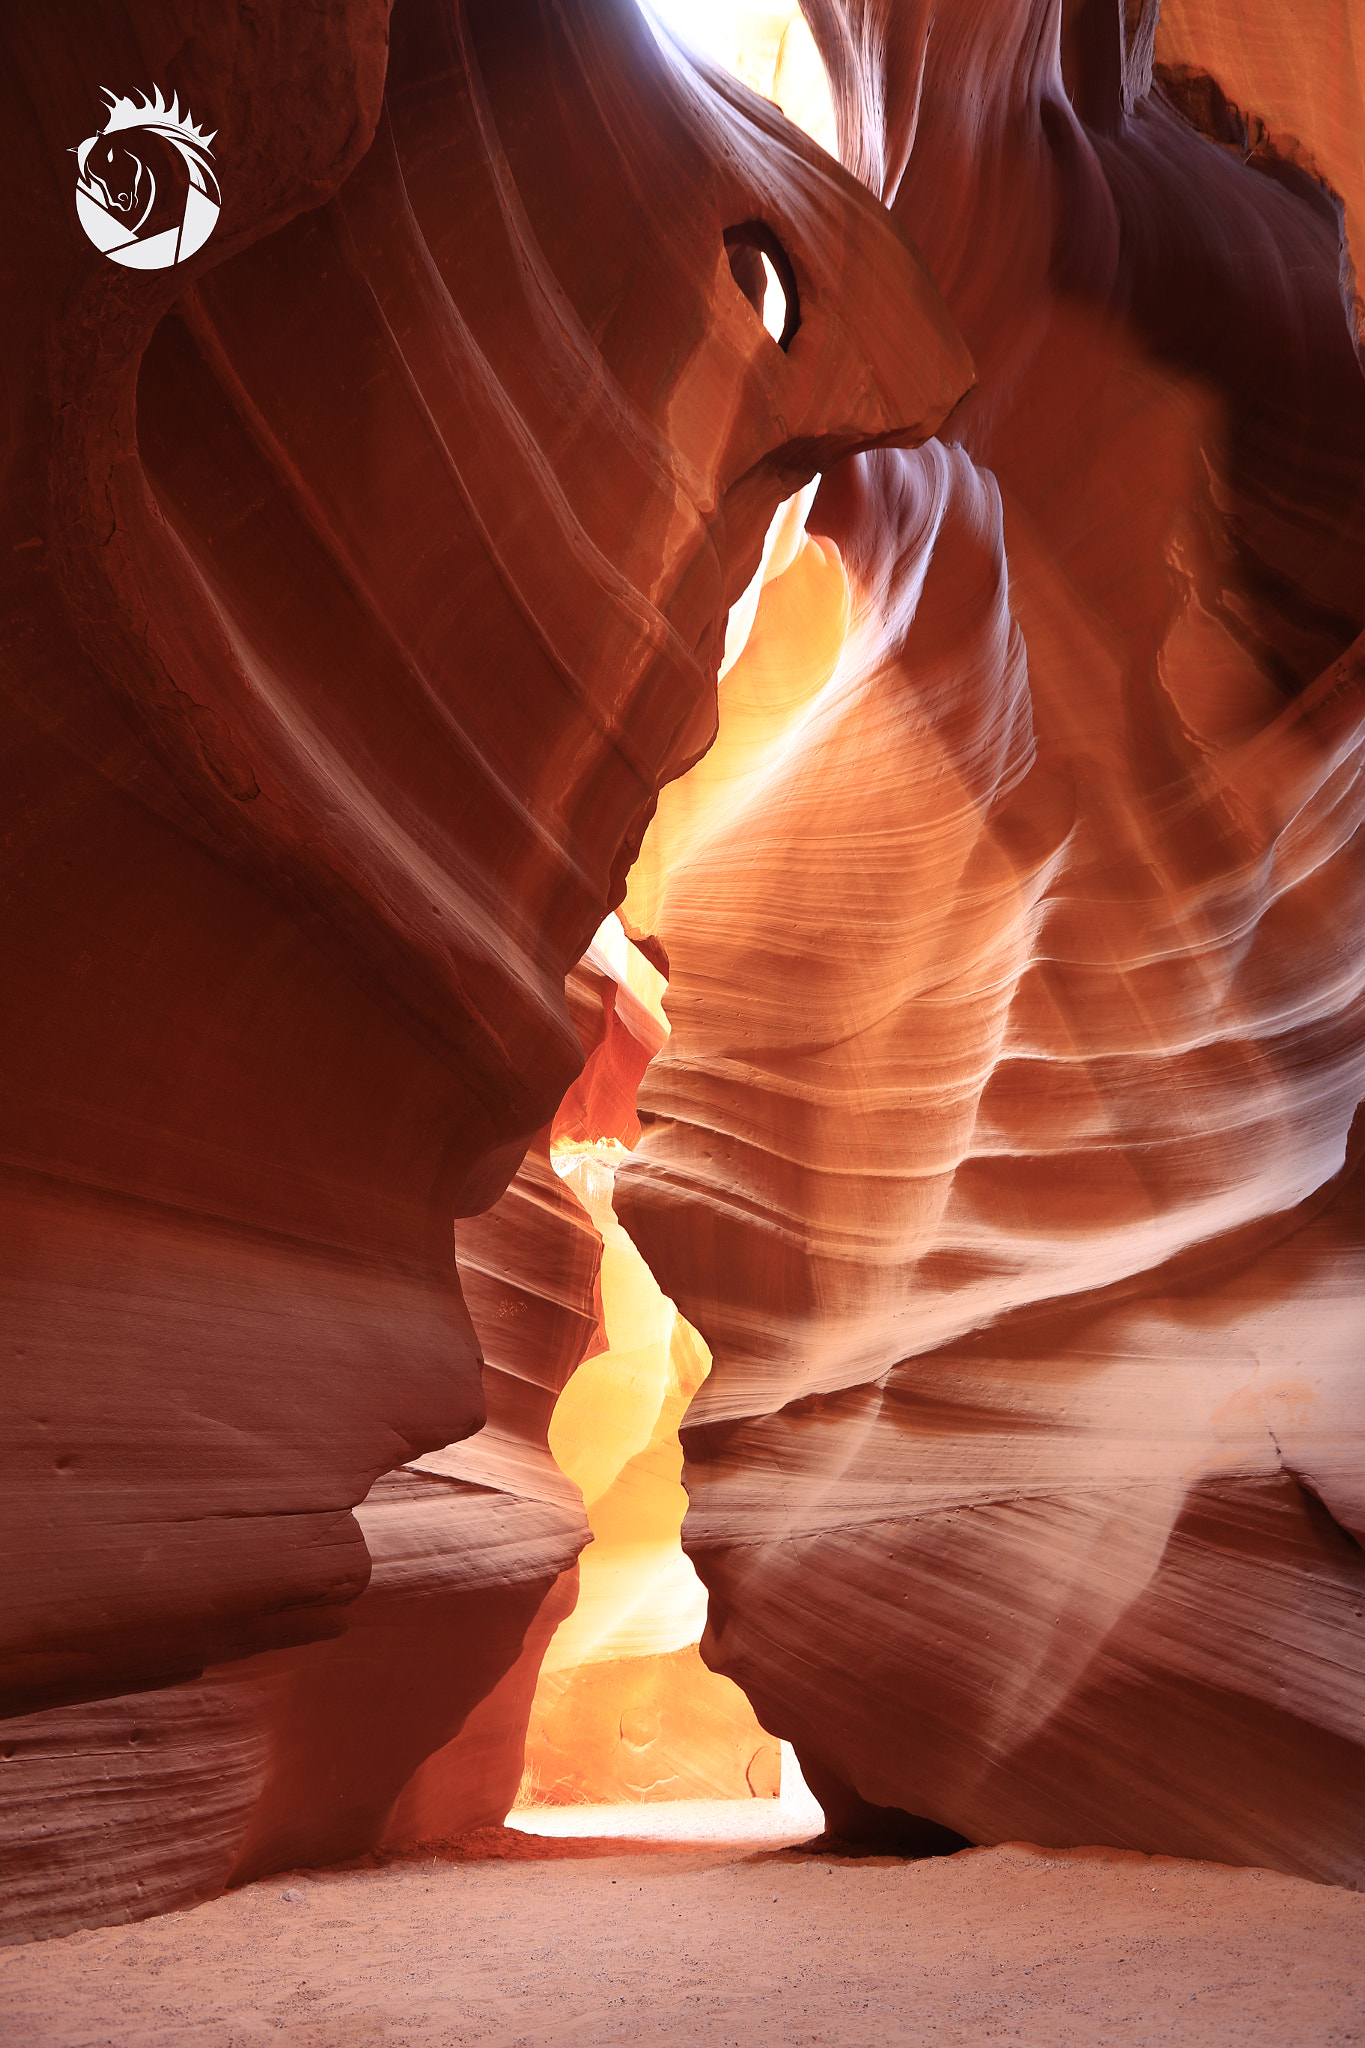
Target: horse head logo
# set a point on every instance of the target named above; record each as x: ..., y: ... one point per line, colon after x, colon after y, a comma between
x: 146, y: 192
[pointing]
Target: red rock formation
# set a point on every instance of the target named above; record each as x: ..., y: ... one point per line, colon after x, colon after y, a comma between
x: 363, y: 582
x: 278, y: 1007
x: 410, y: 1724
x: 1283, y: 92
x: 1000, y: 1152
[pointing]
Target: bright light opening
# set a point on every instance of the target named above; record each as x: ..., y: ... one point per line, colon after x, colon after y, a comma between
x: 625, y: 1711
x: 774, y: 300
x: 769, y: 49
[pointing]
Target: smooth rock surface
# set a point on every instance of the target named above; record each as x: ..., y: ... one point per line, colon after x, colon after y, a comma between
x: 412, y: 1722
x: 1292, y: 101
x: 362, y: 583
x: 1003, y: 1149
x: 364, y: 590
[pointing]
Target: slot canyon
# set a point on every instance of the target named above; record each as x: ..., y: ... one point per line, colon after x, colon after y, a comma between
x: 684, y: 853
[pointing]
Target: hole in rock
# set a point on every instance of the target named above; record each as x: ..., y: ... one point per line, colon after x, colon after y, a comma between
x: 625, y: 1711
x: 772, y: 51
x: 762, y: 270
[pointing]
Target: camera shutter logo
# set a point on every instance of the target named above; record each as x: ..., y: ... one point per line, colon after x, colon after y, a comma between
x: 146, y: 193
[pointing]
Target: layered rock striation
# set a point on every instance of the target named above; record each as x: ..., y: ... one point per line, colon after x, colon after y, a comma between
x: 364, y: 580
x: 1005, y: 1148
x: 408, y: 1726
x: 365, y: 587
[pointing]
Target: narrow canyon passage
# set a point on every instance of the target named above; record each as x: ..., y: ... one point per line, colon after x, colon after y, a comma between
x: 624, y: 1708
x: 683, y: 1175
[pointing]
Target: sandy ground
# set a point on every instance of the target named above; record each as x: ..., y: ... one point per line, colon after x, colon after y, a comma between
x: 517, y: 1938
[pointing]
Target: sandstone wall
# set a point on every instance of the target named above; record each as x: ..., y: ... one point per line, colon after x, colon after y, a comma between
x: 363, y: 582
x: 1003, y: 1151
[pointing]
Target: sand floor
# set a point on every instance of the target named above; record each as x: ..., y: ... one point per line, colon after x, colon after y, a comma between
x: 515, y: 1938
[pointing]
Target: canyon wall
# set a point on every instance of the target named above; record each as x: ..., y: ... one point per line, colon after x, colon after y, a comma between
x: 411, y: 1724
x: 365, y: 577
x: 366, y: 585
x: 1005, y: 1150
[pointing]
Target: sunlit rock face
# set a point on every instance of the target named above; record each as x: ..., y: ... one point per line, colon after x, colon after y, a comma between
x: 770, y: 49
x: 1002, y: 1151
x: 624, y: 1708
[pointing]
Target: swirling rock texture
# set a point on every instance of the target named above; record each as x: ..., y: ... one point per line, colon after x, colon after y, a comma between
x: 1002, y: 1151
x: 364, y: 580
